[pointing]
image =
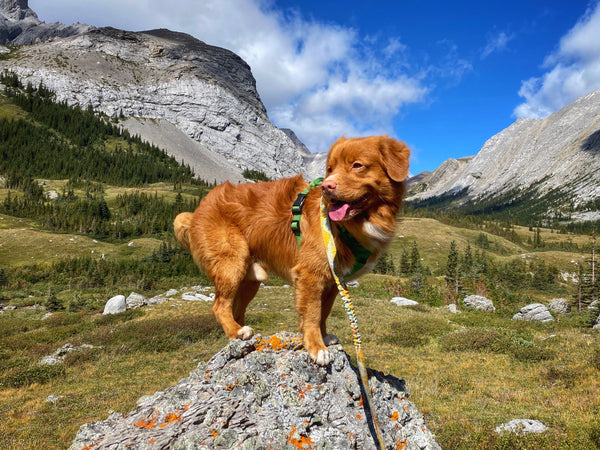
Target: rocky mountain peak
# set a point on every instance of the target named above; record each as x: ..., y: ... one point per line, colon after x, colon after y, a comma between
x: 170, y: 82
x: 16, y: 9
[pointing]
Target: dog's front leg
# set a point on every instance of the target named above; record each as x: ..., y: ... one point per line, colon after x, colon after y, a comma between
x: 309, y: 291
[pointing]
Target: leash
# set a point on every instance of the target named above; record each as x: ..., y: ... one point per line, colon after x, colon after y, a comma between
x: 331, y: 256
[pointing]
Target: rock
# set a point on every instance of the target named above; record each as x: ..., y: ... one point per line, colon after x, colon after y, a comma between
x: 559, y: 305
x: 266, y: 393
x: 59, y: 355
x: 135, y: 300
x: 593, y: 305
x: 197, y: 297
x: 401, y: 301
x: 479, y: 302
x: 452, y: 308
x: 522, y: 426
x: 115, y: 305
x: 171, y: 293
x: 534, y: 311
x: 597, y: 325
x: 53, y: 398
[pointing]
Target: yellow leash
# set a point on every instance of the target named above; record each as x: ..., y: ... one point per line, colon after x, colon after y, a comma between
x: 331, y: 256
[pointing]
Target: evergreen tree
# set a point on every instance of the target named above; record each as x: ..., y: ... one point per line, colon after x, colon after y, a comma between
x: 415, y: 259
x: 453, y: 269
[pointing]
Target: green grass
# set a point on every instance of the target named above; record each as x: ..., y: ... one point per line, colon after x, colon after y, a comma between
x: 467, y: 373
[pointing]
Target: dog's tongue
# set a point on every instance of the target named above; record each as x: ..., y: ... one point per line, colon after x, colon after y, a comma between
x: 337, y: 211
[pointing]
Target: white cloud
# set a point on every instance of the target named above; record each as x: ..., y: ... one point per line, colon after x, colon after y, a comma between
x: 573, y: 70
x: 496, y: 43
x: 318, y: 79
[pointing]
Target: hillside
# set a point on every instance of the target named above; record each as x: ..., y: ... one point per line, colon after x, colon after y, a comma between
x: 543, y: 169
x: 205, y: 93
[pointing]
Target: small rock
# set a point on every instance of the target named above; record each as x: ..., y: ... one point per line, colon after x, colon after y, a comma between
x: 171, y: 293
x: 522, y: 426
x: 597, y: 325
x: 401, y: 301
x: 135, y: 300
x: 157, y: 300
x: 535, y: 312
x: 197, y: 297
x: 115, y: 305
x: 479, y: 302
x: 452, y: 308
x: 559, y: 305
x: 53, y: 398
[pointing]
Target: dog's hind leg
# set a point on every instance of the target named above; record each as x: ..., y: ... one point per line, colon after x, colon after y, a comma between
x: 228, y: 271
x: 327, y: 299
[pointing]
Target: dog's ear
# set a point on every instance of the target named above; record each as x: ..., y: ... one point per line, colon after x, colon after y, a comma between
x: 395, y: 157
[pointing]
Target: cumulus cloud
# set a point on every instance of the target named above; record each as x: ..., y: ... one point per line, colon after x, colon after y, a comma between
x: 573, y: 70
x: 321, y: 80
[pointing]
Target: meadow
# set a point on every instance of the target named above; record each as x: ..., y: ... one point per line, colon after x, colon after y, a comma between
x: 467, y: 372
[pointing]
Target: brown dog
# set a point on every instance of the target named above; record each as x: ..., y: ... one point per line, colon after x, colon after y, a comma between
x: 238, y: 233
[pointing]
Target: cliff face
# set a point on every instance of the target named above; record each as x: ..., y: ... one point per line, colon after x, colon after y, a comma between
x: 559, y: 152
x: 207, y: 93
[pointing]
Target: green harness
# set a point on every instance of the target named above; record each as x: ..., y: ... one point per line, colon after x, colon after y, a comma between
x: 360, y: 253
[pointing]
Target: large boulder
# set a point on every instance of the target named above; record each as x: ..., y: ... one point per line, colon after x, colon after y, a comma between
x: 535, y: 312
x: 115, y: 305
x: 479, y: 302
x: 266, y: 393
x: 559, y: 305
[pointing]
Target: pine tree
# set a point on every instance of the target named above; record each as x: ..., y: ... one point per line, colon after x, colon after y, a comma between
x: 453, y: 269
x: 415, y: 259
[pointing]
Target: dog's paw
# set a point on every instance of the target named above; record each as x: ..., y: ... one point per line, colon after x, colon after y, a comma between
x: 323, y: 357
x: 331, y: 339
x: 245, y: 333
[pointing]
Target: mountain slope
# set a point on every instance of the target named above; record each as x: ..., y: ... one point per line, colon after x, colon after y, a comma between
x: 206, y: 92
x: 559, y: 154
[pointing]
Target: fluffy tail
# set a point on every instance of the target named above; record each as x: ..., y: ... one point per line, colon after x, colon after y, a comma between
x: 181, y: 225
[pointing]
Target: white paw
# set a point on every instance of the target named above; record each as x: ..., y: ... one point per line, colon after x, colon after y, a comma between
x: 245, y: 333
x: 323, y: 358
x: 331, y: 339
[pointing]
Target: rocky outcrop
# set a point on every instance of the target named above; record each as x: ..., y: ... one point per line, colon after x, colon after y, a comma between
x: 479, y: 302
x: 20, y: 25
x: 559, y: 152
x: 559, y: 306
x: 266, y: 393
x: 522, y: 427
x: 206, y: 92
x: 536, y: 312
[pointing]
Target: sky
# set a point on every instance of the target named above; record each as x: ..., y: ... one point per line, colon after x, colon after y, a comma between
x: 442, y: 76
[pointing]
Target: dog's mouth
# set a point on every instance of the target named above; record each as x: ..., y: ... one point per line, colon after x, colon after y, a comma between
x: 339, y: 210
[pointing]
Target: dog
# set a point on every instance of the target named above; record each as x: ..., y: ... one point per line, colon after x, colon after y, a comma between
x: 241, y: 233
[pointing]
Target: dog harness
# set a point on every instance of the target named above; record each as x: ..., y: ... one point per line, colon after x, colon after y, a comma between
x: 360, y: 253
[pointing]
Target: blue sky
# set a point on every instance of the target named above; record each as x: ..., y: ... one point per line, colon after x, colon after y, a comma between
x: 442, y: 76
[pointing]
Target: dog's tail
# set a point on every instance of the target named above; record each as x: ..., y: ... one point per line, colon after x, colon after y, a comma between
x: 181, y: 225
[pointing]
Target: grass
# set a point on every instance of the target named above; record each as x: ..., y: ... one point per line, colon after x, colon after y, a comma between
x: 467, y: 373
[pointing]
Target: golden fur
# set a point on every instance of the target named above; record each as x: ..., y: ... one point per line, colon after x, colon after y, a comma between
x: 238, y: 233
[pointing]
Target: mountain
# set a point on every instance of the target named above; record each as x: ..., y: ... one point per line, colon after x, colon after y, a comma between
x: 552, y: 163
x: 202, y: 97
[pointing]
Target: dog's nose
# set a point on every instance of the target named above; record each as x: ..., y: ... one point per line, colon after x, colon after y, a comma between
x: 328, y: 185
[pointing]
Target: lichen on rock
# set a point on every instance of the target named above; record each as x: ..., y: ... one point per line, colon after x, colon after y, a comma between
x: 266, y: 393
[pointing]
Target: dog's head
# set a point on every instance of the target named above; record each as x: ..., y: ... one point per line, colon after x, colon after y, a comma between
x: 362, y: 174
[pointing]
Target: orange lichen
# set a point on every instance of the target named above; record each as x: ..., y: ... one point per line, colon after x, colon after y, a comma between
x: 401, y: 445
x: 299, y: 443
x: 395, y: 415
x: 214, y: 433
x: 170, y: 418
x: 276, y: 343
x: 358, y: 416
x: 149, y: 422
x: 151, y: 441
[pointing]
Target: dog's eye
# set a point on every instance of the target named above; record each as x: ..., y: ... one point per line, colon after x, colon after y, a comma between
x: 357, y: 165
x: 329, y: 169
